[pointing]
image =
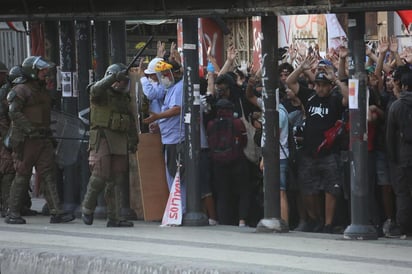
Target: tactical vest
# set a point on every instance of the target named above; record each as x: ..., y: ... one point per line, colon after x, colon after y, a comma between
x: 113, y: 114
x: 37, y: 106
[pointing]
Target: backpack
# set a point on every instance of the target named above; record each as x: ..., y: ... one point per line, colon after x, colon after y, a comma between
x: 224, y: 139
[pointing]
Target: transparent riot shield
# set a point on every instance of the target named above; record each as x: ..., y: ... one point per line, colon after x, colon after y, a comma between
x: 69, y: 132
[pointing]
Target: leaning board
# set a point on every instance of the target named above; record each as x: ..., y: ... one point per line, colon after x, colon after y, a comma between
x: 153, y: 182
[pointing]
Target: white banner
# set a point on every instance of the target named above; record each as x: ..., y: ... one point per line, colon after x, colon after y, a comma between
x: 336, y: 35
x: 173, y: 211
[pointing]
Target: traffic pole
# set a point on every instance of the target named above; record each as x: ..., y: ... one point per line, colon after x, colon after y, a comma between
x: 71, y: 183
x: 101, y: 62
x: 271, y: 221
x: 85, y: 77
x: 360, y: 227
x: 194, y: 215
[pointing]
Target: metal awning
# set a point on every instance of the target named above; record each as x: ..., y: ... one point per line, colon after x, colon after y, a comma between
x: 12, y: 10
x: 16, y: 26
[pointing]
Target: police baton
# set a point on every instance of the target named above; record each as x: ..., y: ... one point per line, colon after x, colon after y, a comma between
x: 139, y: 53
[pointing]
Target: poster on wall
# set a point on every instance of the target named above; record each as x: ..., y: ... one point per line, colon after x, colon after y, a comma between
x: 353, y: 93
x: 75, y: 85
x: 66, y: 84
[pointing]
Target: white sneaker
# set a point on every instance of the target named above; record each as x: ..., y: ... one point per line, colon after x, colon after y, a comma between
x: 212, y: 222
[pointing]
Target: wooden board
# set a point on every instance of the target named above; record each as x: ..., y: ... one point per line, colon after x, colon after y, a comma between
x: 135, y: 192
x: 153, y: 184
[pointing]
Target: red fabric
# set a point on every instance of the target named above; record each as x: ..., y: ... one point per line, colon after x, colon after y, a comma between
x: 406, y: 17
x: 371, y: 136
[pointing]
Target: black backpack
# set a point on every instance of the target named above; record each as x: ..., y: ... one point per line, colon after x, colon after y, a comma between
x: 223, y: 139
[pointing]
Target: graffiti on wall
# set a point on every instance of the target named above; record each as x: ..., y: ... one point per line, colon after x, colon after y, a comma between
x: 310, y: 28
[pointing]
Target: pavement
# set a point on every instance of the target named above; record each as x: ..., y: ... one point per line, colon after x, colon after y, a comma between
x: 41, y: 247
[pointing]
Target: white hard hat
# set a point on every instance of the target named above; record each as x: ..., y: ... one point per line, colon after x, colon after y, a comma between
x: 152, y: 64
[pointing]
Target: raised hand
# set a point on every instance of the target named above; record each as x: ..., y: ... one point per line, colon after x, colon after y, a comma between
x: 309, y: 62
x: 383, y: 45
x: 231, y: 53
x: 161, y: 51
x: 343, y: 52
x: 394, y: 44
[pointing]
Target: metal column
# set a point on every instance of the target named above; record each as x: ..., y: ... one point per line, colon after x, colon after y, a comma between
x: 101, y: 61
x: 194, y: 216
x: 360, y: 228
x: 69, y: 105
x: 85, y: 73
x: 270, y: 151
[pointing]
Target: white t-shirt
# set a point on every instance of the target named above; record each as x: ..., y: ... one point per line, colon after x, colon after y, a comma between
x: 284, y: 130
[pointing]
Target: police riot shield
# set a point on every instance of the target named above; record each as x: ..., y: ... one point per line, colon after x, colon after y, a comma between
x: 69, y: 132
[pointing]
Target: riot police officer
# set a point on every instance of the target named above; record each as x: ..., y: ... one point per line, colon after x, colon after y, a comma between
x: 30, y: 138
x: 6, y: 162
x: 7, y: 170
x: 112, y: 135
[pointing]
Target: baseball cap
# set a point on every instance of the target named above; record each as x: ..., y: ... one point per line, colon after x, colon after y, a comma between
x: 321, y: 77
x: 325, y: 62
x: 152, y: 65
x: 370, y: 69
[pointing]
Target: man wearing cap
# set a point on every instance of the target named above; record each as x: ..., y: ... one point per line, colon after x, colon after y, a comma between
x: 170, y: 120
x: 319, y: 167
x: 31, y: 140
x: 152, y: 88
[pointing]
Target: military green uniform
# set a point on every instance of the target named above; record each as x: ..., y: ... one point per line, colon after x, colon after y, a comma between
x: 7, y: 171
x: 30, y: 107
x: 30, y: 139
x: 112, y: 134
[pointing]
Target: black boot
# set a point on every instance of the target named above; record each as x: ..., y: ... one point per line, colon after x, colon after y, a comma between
x: 87, y: 218
x: 15, y: 220
x: 62, y: 218
x: 124, y: 223
x: 28, y: 212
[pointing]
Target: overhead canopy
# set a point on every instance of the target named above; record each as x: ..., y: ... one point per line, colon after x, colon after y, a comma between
x: 13, y: 10
x: 17, y: 26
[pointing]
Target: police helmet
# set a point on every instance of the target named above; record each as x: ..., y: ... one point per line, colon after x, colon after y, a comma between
x: 32, y: 64
x: 15, y: 72
x: 114, y: 68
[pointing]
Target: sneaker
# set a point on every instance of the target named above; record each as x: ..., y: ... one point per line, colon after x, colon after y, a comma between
x: 87, y: 218
x: 212, y: 222
x: 394, y: 231
x: 327, y: 229
x: 301, y: 226
x: 313, y: 226
x: 386, y: 225
x: 62, y: 218
x: 15, y: 220
x: 112, y: 223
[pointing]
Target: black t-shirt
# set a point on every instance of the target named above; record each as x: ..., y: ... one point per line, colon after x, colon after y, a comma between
x: 321, y: 114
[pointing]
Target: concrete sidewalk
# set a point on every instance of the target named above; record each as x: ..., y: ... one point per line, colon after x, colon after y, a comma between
x: 40, y: 247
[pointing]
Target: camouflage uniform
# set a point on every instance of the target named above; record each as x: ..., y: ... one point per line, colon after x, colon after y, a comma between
x: 7, y: 171
x: 112, y: 134
x: 30, y: 138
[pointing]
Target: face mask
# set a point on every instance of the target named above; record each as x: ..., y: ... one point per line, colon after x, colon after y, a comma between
x: 166, y: 82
